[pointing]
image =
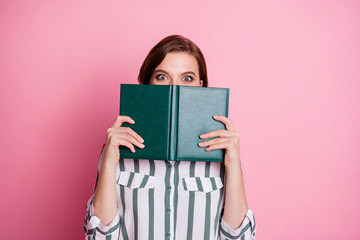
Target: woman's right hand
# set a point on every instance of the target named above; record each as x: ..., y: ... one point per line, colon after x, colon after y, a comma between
x: 124, y: 136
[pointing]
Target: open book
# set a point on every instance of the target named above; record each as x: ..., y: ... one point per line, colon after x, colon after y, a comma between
x: 170, y: 119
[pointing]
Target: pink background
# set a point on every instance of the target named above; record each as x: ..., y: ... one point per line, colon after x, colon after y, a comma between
x: 294, y: 74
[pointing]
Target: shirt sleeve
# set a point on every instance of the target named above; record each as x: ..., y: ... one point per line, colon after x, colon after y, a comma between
x: 246, y: 231
x: 93, y: 227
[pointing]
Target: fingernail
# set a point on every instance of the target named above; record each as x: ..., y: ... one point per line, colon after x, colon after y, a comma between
x: 202, y: 135
x: 142, y: 145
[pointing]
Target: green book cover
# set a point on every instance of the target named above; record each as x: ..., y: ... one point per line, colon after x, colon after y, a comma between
x: 170, y: 119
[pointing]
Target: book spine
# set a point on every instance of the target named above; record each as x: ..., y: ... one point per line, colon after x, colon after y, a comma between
x: 173, y: 122
x: 227, y: 103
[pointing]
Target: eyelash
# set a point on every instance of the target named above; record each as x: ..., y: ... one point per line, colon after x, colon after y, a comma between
x: 158, y: 77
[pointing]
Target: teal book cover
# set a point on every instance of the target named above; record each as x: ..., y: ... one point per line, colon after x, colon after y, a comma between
x: 170, y: 119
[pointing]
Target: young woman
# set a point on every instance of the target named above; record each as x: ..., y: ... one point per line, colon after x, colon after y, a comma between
x: 157, y: 199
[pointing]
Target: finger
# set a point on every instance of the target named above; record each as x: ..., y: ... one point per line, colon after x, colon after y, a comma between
x: 212, y: 141
x: 126, y: 131
x: 218, y: 133
x: 120, y: 119
x: 132, y: 140
x: 124, y: 142
x: 221, y: 145
x: 227, y: 121
x: 131, y: 132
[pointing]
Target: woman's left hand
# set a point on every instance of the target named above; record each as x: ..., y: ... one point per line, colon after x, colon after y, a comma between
x: 235, y: 206
x: 228, y: 139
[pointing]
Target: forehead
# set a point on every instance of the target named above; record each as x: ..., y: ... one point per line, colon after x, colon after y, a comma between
x: 175, y: 62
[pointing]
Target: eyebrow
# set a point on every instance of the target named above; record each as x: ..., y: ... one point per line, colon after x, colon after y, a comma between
x: 188, y: 72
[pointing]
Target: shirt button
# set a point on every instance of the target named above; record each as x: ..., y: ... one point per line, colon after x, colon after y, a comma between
x: 168, y: 187
x: 168, y: 210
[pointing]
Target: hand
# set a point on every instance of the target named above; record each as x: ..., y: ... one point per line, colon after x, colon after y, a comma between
x: 235, y: 205
x: 124, y: 136
x: 226, y: 139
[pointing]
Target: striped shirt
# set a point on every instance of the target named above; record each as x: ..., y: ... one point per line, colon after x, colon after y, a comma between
x: 160, y: 199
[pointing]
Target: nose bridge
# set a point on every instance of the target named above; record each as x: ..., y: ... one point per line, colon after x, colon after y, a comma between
x: 175, y: 79
x: 173, y: 82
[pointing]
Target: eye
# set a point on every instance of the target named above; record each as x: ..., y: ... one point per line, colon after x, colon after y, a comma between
x: 188, y: 78
x: 161, y: 77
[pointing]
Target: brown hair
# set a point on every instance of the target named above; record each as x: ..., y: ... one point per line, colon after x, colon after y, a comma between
x: 172, y: 43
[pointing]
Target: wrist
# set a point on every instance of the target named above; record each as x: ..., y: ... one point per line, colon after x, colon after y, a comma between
x: 234, y: 173
x: 234, y: 167
x: 109, y: 163
x: 111, y: 156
